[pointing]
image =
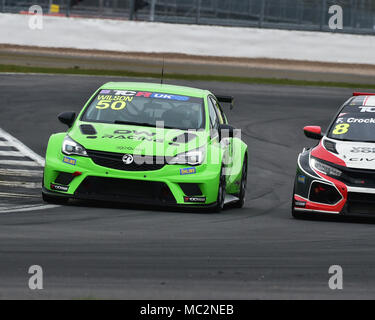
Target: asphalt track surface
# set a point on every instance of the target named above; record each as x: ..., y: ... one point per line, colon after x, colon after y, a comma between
x: 98, y: 251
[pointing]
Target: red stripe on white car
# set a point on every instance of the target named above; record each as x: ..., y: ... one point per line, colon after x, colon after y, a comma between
x: 320, y: 152
x: 314, y: 206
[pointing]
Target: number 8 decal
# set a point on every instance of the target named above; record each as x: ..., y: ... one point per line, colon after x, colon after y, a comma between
x: 341, y: 128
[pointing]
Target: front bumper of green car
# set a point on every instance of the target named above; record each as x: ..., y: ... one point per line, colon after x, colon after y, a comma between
x: 80, y: 177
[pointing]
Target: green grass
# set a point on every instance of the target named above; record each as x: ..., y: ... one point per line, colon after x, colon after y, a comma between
x: 124, y: 73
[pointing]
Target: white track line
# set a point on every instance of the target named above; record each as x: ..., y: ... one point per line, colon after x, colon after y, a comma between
x: 37, y: 161
x: 11, y: 154
x: 21, y: 147
x: 17, y: 195
x: 20, y: 163
x: 21, y: 173
x: 21, y: 184
x: 28, y: 208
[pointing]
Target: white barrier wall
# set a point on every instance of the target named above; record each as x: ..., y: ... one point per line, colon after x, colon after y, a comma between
x: 189, y: 39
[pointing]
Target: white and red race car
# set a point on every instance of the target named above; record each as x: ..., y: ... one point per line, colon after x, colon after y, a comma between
x: 338, y: 175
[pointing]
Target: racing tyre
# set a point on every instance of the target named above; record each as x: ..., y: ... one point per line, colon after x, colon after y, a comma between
x: 54, y: 200
x: 221, y: 193
x: 242, y: 194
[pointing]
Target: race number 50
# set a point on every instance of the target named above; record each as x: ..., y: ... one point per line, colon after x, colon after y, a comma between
x: 115, y: 105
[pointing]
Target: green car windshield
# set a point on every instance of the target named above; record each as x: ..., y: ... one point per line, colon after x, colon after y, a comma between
x: 146, y: 109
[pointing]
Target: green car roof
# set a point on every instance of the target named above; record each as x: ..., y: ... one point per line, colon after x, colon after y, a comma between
x: 156, y: 87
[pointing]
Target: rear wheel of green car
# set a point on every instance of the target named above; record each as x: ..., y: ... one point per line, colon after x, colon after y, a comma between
x: 242, y: 194
x: 221, y: 193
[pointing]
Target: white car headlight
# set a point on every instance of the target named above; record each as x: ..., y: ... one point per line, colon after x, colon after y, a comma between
x: 70, y: 147
x: 325, y: 168
x: 192, y: 157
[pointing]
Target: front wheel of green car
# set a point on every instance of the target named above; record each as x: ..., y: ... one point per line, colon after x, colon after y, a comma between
x: 242, y: 194
x: 54, y: 200
x: 221, y: 193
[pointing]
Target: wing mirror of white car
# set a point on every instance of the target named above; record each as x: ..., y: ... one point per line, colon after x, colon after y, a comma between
x: 313, y: 132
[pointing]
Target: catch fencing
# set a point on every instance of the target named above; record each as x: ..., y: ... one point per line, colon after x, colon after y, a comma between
x: 358, y: 15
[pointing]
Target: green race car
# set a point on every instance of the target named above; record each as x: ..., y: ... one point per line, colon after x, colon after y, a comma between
x: 148, y: 143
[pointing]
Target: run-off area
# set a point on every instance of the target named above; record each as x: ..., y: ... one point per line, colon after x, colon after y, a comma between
x: 21, y: 172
